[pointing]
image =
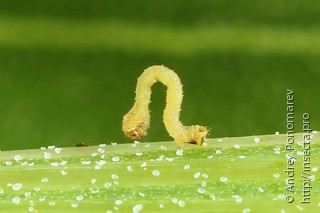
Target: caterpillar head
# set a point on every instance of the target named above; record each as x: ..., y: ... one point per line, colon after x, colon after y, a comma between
x: 138, y: 132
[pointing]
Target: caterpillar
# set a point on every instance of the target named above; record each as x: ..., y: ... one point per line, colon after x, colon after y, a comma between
x: 137, y: 121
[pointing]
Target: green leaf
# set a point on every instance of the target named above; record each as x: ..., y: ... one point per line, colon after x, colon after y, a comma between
x: 241, y: 174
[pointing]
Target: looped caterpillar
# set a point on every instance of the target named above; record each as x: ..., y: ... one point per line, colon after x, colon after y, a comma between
x: 137, y: 121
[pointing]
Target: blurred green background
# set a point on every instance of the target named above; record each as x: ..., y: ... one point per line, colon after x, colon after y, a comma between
x: 68, y: 69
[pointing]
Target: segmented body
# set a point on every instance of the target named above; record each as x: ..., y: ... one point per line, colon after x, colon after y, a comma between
x: 137, y: 121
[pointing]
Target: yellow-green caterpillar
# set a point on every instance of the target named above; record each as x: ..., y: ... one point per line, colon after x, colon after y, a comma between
x: 136, y: 122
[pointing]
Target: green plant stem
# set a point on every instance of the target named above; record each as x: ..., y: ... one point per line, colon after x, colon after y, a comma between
x: 228, y: 175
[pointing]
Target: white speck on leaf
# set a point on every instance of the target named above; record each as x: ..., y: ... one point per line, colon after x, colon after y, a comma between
x: 238, y: 199
x: 27, y: 194
x: 300, y: 153
x: 163, y: 148
x: 18, y: 157
x: 201, y: 190
x: 24, y: 163
x: 118, y: 202
x: 101, y: 150
x: 47, y: 155
x: 54, y: 164
x: 101, y: 162
x: 205, y: 176
x: 256, y: 139
x: 174, y: 200
x: 181, y: 203
x: 74, y: 205
x: 115, y: 159
x: 179, y: 152
x: 299, y: 207
x: 44, y: 180
x: 114, y: 176
x: 224, y: 179
x: 58, y: 150
x: 86, y: 162
x: 8, y: 163
x: 16, y: 186
x: 16, y: 200
x: 129, y: 168
x: 210, y: 156
x: 107, y: 184
x: 139, y: 153
x: 141, y: 194
x: 79, y: 197
x: 237, y: 146
x: 137, y: 208
x: 155, y: 173
x: 63, y: 162
x: 247, y: 210
x: 197, y: 175
x: 277, y: 175
x: 218, y: 152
